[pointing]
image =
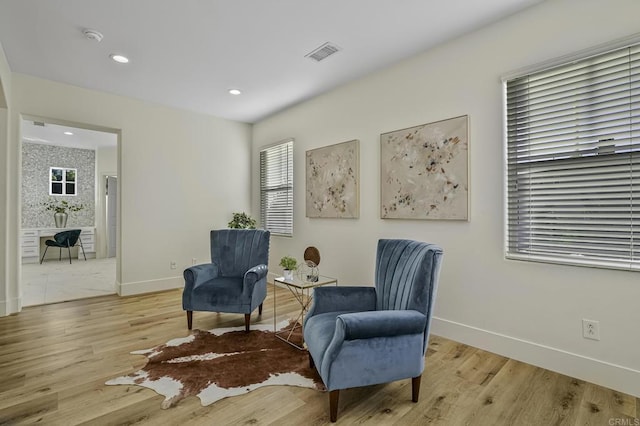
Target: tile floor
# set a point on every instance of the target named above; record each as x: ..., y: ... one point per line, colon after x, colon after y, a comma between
x: 58, y: 281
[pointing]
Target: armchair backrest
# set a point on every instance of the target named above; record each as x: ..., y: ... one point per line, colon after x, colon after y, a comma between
x: 67, y: 238
x: 235, y: 251
x: 407, y: 275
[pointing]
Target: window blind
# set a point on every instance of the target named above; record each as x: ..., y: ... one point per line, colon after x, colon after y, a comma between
x: 573, y: 162
x: 276, y: 188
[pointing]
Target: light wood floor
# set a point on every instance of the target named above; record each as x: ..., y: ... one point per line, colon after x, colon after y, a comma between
x: 54, y: 360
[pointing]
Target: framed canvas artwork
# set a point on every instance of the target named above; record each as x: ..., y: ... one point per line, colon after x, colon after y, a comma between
x: 424, y: 171
x: 332, y: 174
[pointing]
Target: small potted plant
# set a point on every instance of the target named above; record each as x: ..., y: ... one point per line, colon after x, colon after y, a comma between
x: 242, y: 221
x: 289, y: 264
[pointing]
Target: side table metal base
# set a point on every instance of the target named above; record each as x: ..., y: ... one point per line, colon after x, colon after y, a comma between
x: 301, y: 291
x: 285, y: 336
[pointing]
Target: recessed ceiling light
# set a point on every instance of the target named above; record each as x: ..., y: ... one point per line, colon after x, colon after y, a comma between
x: 119, y: 58
x: 68, y: 133
x: 235, y: 91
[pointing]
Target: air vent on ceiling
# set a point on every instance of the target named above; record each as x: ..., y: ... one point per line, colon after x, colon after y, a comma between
x: 92, y: 35
x: 323, y: 52
x: 38, y: 123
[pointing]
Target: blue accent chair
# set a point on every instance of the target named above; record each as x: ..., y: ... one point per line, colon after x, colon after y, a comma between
x: 236, y: 279
x: 360, y: 336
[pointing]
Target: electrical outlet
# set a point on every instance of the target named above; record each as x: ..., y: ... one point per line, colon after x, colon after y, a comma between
x: 194, y: 261
x: 173, y: 264
x: 591, y: 329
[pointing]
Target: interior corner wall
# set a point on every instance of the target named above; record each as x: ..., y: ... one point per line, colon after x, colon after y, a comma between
x: 5, y: 299
x: 180, y: 174
x: 528, y: 311
x: 9, y: 301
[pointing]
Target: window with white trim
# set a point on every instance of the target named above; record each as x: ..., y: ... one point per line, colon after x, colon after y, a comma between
x: 573, y: 162
x: 62, y: 181
x: 276, y: 188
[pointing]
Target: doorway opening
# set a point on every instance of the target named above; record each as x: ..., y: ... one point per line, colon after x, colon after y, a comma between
x: 87, y: 155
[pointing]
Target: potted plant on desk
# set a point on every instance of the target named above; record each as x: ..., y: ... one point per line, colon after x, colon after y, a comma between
x: 289, y: 264
x: 60, y: 207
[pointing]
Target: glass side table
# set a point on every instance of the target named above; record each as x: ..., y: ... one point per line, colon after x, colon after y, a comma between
x: 301, y: 291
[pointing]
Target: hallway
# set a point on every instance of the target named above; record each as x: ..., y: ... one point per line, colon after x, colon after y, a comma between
x: 58, y: 281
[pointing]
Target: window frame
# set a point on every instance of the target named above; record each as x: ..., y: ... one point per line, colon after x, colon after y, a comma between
x: 64, y: 182
x: 601, y: 149
x: 282, y: 188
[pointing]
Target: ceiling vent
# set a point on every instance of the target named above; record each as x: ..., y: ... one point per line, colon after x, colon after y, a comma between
x: 38, y: 123
x: 323, y: 52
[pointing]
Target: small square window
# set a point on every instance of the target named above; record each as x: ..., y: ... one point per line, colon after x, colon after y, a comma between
x: 63, y: 181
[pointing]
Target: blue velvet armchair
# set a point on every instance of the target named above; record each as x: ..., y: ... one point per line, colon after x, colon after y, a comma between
x: 360, y: 336
x: 236, y: 279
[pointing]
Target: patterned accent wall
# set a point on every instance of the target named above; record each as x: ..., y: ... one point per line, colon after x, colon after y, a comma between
x: 36, y: 161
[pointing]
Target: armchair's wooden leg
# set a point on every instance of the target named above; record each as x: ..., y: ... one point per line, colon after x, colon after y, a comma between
x: 189, y: 319
x: 260, y: 309
x: 333, y: 405
x: 247, y: 321
x: 415, y: 388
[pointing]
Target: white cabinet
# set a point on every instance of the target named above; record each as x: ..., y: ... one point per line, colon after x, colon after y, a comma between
x: 88, y: 242
x: 30, y: 243
x: 31, y: 239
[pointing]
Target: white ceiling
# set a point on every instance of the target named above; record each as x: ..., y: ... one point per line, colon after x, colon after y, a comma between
x: 189, y: 53
x: 53, y: 134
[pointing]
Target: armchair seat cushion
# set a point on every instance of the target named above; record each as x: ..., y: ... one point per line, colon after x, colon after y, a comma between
x: 221, y: 291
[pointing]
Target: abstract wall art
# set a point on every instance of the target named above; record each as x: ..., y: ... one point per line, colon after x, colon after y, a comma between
x: 332, y: 174
x: 424, y: 171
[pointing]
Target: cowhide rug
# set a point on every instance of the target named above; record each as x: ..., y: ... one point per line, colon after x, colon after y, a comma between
x: 222, y: 362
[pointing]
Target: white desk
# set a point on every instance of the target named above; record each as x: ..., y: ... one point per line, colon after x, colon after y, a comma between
x: 31, y: 243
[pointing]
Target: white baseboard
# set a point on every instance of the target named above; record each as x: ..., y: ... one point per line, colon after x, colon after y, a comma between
x: 592, y: 370
x: 139, y: 287
x: 11, y: 306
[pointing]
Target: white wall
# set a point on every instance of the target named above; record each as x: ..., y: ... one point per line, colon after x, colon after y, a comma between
x: 529, y: 311
x: 5, y: 81
x: 180, y: 175
x: 106, y: 165
x: 8, y: 262
x: 107, y: 159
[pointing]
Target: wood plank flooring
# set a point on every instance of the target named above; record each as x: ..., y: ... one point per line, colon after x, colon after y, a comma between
x: 54, y: 360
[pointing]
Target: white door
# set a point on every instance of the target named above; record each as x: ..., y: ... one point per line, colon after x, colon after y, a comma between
x: 112, y: 217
